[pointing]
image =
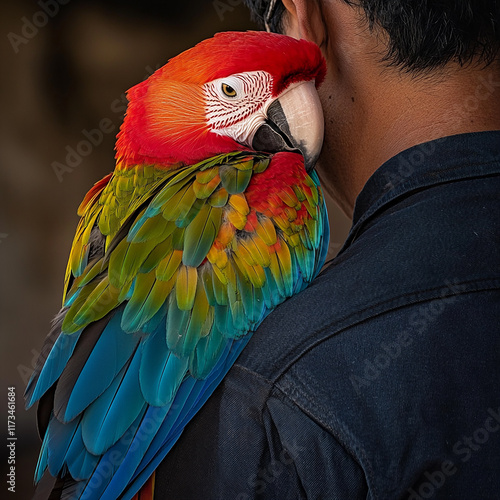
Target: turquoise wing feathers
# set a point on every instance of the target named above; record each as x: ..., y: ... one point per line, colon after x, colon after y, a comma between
x: 169, y: 273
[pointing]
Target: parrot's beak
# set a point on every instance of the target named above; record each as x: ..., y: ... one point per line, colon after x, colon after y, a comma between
x: 294, y: 123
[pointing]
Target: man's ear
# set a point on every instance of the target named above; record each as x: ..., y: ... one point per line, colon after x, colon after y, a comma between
x: 304, y: 19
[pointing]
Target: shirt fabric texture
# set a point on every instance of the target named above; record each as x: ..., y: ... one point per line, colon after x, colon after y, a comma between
x: 382, y: 379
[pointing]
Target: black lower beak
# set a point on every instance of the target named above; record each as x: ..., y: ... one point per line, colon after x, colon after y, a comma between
x: 294, y: 123
x: 274, y: 135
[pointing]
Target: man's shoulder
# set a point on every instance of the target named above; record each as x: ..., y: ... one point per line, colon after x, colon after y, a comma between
x: 431, y: 245
x: 383, y: 350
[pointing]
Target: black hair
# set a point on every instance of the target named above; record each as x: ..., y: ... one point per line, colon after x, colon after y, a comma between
x: 259, y: 11
x: 423, y: 34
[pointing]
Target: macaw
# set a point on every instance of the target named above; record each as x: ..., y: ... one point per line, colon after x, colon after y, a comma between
x: 212, y: 217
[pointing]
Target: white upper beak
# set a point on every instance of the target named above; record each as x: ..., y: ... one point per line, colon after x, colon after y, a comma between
x: 294, y: 122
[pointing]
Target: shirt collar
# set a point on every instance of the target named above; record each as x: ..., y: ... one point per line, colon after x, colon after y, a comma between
x: 443, y: 160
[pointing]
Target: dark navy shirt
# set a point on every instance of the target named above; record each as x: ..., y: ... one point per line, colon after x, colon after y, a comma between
x: 382, y: 379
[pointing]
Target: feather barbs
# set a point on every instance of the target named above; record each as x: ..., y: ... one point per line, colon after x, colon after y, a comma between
x: 179, y: 255
x: 183, y: 115
x: 183, y: 230
x: 183, y: 276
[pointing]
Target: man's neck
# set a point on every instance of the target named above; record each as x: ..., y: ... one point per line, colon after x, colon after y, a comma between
x: 384, y: 114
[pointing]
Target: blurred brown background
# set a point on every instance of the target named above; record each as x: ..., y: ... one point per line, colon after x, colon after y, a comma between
x: 65, y: 67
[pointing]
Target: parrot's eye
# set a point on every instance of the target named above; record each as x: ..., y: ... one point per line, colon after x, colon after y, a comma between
x: 228, y: 90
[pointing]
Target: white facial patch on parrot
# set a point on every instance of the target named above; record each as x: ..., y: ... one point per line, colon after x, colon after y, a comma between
x: 236, y: 105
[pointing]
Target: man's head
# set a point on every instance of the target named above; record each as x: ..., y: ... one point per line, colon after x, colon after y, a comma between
x: 421, y: 35
x: 400, y: 72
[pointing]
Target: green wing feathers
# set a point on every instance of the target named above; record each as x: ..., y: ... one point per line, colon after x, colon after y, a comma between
x: 207, y: 249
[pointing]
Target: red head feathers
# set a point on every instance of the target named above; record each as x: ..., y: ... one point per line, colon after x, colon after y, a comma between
x: 205, y: 101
